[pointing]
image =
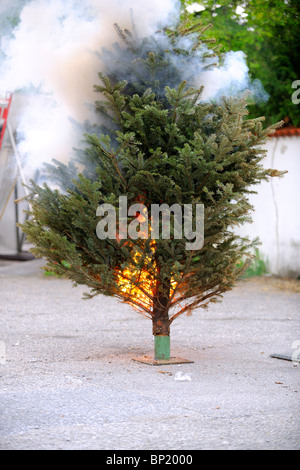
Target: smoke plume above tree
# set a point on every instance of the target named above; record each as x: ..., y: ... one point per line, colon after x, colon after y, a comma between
x: 52, y: 51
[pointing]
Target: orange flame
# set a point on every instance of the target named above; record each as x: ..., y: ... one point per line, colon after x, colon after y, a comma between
x: 136, y: 283
x: 139, y: 284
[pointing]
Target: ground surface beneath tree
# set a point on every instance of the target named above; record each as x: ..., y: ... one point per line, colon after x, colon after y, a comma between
x: 69, y: 382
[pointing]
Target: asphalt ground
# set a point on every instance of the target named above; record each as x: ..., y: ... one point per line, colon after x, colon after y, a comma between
x: 68, y: 381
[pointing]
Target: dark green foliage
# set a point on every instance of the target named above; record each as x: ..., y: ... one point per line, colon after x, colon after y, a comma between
x: 268, y: 33
x: 166, y: 147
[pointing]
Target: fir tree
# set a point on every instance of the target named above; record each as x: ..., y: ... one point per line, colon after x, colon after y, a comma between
x: 164, y: 145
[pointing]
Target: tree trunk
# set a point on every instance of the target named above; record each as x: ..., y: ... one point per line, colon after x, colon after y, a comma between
x: 161, y: 322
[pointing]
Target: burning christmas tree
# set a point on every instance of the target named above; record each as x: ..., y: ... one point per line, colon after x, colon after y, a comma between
x: 163, y: 146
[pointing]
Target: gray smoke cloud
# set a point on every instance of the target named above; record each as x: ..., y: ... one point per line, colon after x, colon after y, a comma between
x: 51, y: 56
x: 49, y: 59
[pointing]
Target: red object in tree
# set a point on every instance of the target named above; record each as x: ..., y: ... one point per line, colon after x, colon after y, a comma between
x: 4, y: 109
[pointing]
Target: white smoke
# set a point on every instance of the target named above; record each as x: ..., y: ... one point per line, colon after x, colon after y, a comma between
x: 50, y: 57
x: 50, y: 61
x: 231, y: 78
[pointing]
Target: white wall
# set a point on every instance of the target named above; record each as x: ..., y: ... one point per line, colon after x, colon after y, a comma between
x: 8, y: 174
x: 276, y: 220
x: 8, y: 237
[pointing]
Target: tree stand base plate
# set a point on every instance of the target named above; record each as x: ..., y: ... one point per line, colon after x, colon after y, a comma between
x: 161, y: 362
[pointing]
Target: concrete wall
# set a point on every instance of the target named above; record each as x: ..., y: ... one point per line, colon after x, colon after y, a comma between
x: 8, y: 236
x: 8, y: 174
x: 276, y: 219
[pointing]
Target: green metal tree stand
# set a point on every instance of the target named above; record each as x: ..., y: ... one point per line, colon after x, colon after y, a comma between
x: 162, y: 354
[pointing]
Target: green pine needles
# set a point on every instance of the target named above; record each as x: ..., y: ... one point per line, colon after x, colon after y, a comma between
x: 163, y: 145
